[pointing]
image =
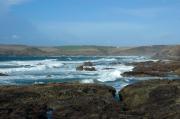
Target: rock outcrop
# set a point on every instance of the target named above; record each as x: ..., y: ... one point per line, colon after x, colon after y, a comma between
x: 154, y: 99
x: 60, y: 101
x: 86, y: 66
x: 150, y: 68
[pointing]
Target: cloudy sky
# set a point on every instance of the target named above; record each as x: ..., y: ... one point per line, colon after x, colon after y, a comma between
x: 90, y: 22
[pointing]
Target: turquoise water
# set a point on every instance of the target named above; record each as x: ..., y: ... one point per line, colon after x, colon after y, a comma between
x: 25, y: 70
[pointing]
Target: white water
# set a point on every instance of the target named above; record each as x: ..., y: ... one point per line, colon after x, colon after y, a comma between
x: 109, y: 70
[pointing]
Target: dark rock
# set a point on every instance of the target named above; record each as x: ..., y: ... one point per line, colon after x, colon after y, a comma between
x: 66, y: 101
x: 2, y: 74
x: 87, y: 66
x: 108, y: 68
x: 156, y: 99
x: 80, y: 68
x: 153, y: 99
x: 160, y: 69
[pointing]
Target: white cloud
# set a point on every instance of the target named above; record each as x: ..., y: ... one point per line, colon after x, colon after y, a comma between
x: 15, y: 36
x: 5, y: 5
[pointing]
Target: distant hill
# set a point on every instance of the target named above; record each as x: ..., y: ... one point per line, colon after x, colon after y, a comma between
x: 170, y: 52
x: 156, y: 51
x: 20, y: 50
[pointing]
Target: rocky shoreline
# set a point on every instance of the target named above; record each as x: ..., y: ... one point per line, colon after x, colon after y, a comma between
x: 162, y: 68
x: 151, y: 99
x: 154, y: 99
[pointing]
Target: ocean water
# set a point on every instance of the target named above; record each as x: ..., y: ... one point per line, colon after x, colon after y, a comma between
x: 25, y: 70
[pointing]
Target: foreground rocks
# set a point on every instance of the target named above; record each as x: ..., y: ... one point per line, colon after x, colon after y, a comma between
x: 86, y: 66
x: 64, y: 101
x: 150, y: 68
x: 154, y: 99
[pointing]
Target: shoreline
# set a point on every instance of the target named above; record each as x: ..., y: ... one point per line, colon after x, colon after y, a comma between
x: 67, y: 100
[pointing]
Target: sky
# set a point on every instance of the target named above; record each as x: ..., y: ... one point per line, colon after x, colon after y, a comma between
x: 90, y: 22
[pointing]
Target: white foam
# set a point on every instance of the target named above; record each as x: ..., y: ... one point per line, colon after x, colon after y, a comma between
x: 27, y: 66
x: 104, y: 60
x: 109, y: 76
x: 114, y: 73
x: 38, y: 82
x: 87, y: 81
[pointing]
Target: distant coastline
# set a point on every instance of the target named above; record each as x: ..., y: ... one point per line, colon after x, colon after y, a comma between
x: 157, y: 51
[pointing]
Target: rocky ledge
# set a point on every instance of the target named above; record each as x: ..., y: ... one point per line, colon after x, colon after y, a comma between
x: 58, y: 101
x: 155, y: 99
x: 159, y: 68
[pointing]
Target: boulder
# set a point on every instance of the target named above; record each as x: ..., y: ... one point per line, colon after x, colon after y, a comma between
x: 80, y: 68
x: 89, y: 68
x: 155, y: 99
x: 86, y: 66
x: 2, y: 74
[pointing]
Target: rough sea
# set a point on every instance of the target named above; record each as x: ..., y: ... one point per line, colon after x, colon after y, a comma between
x: 25, y: 70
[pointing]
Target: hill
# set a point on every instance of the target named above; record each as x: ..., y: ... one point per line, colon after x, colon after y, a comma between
x: 156, y: 51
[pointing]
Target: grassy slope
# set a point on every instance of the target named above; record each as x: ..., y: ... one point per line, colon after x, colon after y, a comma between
x: 158, y: 51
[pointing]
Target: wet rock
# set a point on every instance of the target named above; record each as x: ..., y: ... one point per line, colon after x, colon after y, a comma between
x: 2, y: 74
x: 89, y: 68
x: 150, y: 68
x: 86, y: 66
x: 177, y: 71
x: 155, y: 99
x: 108, y: 68
x: 66, y: 101
x: 79, y: 68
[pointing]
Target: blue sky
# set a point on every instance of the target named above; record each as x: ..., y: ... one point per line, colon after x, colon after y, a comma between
x: 90, y: 22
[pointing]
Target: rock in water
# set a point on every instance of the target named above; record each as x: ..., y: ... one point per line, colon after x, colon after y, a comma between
x: 149, y: 68
x: 2, y: 74
x: 86, y: 66
x: 80, y: 68
x: 155, y: 99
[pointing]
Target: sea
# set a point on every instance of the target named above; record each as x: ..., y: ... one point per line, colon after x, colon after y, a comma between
x: 28, y: 70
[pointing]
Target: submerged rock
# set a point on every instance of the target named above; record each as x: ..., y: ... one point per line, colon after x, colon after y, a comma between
x: 155, y: 99
x: 2, y: 74
x: 86, y: 66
